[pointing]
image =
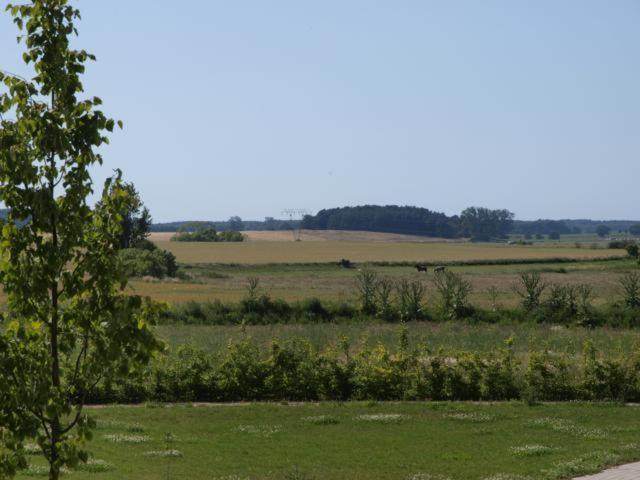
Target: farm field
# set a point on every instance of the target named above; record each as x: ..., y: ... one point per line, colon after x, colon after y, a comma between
x: 260, y: 253
x: 330, y: 282
x: 345, y: 441
x: 321, y: 235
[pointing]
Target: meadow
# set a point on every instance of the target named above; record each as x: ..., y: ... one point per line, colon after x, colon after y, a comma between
x: 346, y: 441
x: 207, y: 282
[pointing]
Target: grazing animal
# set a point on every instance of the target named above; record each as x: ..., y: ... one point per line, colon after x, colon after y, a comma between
x: 439, y: 269
x: 345, y: 263
x: 421, y: 268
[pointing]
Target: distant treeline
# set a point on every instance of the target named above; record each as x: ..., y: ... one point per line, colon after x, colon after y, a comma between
x: 390, y: 218
x: 237, y: 224
x: 475, y: 222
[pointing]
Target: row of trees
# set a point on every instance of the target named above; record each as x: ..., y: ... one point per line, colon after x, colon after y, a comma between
x: 477, y: 223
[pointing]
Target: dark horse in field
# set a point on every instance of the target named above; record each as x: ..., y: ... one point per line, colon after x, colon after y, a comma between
x: 421, y: 268
x: 439, y: 269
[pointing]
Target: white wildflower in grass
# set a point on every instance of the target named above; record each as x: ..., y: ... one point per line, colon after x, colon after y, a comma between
x: 470, y: 417
x: 259, y: 430
x: 507, y: 476
x: 94, y: 465
x: 122, y: 438
x: 42, y: 471
x: 117, y: 425
x: 322, y: 420
x: 163, y: 453
x: 231, y: 477
x: 568, y: 427
x: 530, y: 450
x: 32, y: 449
x: 427, y: 476
x: 382, y: 418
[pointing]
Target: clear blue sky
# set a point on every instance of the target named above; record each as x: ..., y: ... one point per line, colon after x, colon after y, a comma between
x: 249, y: 107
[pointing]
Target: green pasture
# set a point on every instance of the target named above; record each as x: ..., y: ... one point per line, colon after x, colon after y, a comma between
x: 208, y: 282
x: 335, y: 441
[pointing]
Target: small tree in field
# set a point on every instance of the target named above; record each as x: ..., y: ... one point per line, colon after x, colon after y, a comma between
x: 67, y: 325
x: 603, y: 230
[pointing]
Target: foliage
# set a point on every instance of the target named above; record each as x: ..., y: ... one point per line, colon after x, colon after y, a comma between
x: 389, y: 218
x: 532, y: 287
x: 140, y: 262
x: 411, y: 299
x: 630, y: 283
x: 68, y: 323
x: 366, y: 282
x: 483, y: 224
x: 136, y: 222
x: 207, y: 234
x: 539, y: 227
x: 454, y: 293
x: 295, y: 369
x: 603, y: 230
x: 634, y: 229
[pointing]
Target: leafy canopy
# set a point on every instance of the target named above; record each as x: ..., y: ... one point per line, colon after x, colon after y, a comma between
x: 68, y: 323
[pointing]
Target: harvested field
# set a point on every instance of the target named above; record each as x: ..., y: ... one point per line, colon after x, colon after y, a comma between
x: 322, y: 236
x: 266, y: 252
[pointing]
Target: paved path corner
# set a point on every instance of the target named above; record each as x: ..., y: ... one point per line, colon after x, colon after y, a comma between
x: 630, y: 471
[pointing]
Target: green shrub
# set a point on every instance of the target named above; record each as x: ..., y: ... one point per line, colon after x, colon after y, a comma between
x: 454, y: 292
x: 207, y: 234
x: 295, y: 370
x: 531, y: 290
x: 411, y: 300
x: 139, y: 262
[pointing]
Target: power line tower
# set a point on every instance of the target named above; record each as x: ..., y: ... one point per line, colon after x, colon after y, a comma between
x: 296, y: 215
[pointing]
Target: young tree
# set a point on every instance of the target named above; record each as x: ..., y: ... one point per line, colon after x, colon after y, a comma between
x: 136, y: 222
x: 235, y: 223
x: 603, y: 230
x: 68, y: 324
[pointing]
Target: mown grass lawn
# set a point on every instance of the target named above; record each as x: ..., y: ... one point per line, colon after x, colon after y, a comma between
x: 419, y: 441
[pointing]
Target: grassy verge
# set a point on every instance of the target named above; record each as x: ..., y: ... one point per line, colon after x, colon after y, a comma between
x: 450, y: 336
x: 392, y: 441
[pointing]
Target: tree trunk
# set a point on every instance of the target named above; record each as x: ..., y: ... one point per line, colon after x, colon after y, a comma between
x: 54, y: 468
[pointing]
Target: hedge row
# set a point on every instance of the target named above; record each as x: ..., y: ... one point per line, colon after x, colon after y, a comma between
x: 264, y: 310
x: 295, y: 370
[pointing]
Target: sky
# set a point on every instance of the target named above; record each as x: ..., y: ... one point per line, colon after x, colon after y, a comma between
x: 249, y: 107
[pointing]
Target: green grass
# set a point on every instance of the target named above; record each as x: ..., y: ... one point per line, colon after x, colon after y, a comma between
x: 450, y: 336
x: 330, y: 282
x: 398, y: 441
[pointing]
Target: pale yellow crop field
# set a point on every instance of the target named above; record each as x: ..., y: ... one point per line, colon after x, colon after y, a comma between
x: 266, y: 252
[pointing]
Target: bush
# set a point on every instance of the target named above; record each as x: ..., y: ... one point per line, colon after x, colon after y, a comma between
x: 139, y: 262
x: 531, y: 290
x: 296, y: 370
x: 631, y: 286
x: 366, y: 283
x: 454, y: 292
x: 410, y: 300
x: 208, y: 234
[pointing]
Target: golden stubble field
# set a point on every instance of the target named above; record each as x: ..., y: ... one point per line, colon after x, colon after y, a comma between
x: 268, y: 252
